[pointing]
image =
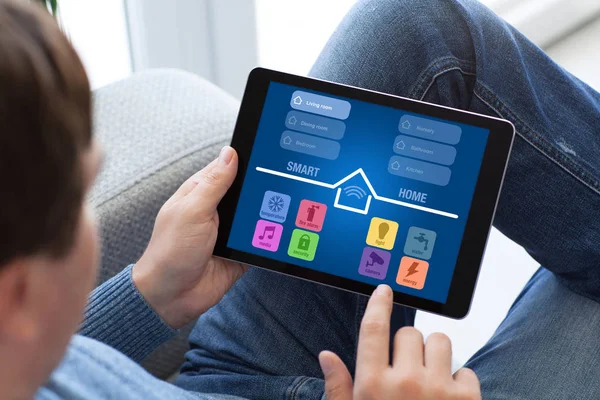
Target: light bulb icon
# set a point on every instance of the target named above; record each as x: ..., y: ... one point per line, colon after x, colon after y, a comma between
x: 384, y: 228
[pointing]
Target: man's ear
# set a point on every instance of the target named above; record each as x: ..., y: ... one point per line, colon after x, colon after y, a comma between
x: 17, y: 316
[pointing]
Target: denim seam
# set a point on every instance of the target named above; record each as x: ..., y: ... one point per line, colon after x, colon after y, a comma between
x: 430, y: 72
x: 433, y: 71
x: 297, y: 386
x: 536, y: 140
x: 448, y: 69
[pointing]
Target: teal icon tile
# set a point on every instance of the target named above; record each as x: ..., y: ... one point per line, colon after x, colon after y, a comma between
x: 420, y: 243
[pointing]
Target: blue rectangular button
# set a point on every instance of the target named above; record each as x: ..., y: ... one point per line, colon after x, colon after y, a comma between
x: 315, y: 125
x: 317, y: 104
x: 311, y: 145
x: 424, y: 150
x: 419, y: 170
x: 430, y: 129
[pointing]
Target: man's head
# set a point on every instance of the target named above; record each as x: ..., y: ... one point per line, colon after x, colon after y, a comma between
x: 48, y: 244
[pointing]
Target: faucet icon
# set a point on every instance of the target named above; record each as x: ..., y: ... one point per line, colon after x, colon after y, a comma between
x: 422, y: 239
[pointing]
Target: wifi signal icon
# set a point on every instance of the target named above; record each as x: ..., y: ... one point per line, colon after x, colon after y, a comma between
x: 355, y: 191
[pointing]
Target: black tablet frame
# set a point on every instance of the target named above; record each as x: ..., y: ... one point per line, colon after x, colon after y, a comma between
x: 480, y: 217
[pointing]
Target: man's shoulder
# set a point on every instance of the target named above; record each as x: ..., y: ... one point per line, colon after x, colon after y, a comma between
x: 90, y: 369
x: 93, y: 370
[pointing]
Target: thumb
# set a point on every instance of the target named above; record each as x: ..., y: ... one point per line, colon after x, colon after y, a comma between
x: 338, y: 382
x: 214, y: 180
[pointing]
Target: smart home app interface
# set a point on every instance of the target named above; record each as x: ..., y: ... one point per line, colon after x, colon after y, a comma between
x: 362, y: 191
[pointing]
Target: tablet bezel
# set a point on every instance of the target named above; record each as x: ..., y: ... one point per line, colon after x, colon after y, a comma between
x: 480, y: 216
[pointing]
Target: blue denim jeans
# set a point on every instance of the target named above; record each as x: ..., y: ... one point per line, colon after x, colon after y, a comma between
x: 263, y: 338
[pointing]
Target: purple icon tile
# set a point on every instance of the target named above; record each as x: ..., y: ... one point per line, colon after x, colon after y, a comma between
x: 267, y: 235
x: 374, y: 263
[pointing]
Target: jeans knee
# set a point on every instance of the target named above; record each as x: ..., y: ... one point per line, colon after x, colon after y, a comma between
x: 387, y: 45
x: 414, y: 18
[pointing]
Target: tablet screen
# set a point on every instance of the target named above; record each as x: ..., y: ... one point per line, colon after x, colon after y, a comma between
x: 358, y: 190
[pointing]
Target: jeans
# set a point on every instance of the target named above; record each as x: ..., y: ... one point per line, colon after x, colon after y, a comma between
x: 262, y: 340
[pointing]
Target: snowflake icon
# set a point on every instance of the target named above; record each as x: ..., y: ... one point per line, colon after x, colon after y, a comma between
x: 276, y: 203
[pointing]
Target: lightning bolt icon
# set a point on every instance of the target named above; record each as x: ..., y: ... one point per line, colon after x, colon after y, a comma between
x: 412, y: 269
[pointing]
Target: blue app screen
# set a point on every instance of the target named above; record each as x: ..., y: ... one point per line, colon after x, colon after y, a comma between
x: 358, y: 190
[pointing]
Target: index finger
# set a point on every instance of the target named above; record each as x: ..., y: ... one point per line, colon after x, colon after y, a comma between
x: 374, y: 338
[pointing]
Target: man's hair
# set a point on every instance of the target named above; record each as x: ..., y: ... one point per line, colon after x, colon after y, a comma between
x: 45, y: 128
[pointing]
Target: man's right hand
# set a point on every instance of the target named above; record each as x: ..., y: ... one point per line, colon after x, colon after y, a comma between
x: 418, y: 372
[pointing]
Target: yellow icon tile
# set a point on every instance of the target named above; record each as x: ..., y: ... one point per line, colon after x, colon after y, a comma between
x: 382, y: 233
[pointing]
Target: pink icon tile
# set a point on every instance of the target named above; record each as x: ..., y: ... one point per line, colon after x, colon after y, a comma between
x: 267, y: 235
x: 311, y: 215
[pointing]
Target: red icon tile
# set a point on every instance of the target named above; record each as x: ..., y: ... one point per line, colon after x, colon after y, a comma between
x: 311, y: 215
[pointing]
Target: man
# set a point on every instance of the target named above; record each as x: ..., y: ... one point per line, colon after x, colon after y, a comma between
x: 262, y: 340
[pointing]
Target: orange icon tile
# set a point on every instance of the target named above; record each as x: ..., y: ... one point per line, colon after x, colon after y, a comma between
x: 412, y: 273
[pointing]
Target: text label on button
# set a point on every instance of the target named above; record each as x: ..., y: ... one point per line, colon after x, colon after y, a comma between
x: 424, y: 150
x: 430, y: 129
x: 317, y: 104
x: 419, y: 170
x: 311, y: 145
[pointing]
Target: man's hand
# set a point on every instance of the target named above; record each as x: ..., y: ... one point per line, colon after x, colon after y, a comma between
x: 418, y: 371
x: 177, y: 275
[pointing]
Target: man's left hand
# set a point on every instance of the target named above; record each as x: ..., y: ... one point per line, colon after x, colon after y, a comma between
x: 177, y: 275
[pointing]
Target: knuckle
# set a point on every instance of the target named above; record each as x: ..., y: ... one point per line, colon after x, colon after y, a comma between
x: 411, y: 384
x: 210, y: 178
x: 439, y: 391
x: 368, y: 380
x: 373, y: 326
x: 367, y: 389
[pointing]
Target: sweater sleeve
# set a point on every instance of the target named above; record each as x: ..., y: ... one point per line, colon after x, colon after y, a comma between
x: 118, y: 316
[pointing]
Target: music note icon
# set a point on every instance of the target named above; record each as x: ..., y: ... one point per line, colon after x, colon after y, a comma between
x: 268, y: 229
x: 267, y: 235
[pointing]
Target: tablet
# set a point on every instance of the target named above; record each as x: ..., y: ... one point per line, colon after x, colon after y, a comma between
x: 352, y: 188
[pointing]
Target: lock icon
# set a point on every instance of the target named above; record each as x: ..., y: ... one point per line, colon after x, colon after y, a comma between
x: 304, y: 242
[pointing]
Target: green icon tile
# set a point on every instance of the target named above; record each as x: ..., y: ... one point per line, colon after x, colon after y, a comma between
x: 303, y: 245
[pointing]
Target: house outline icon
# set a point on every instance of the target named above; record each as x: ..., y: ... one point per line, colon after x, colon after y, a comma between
x: 395, y: 165
x: 363, y: 211
x: 401, y: 145
x: 406, y: 125
x: 298, y: 100
x: 287, y: 140
x: 292, y: 120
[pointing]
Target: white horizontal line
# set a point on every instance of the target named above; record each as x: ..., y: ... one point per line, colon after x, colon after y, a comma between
x: 296, y: 178
x: 361, y: 172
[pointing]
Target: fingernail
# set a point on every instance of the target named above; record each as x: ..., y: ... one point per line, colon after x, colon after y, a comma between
x: 382, y: 290
x: 226, y: 155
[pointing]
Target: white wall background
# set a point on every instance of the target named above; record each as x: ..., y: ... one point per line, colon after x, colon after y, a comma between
x: 98, y: 32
